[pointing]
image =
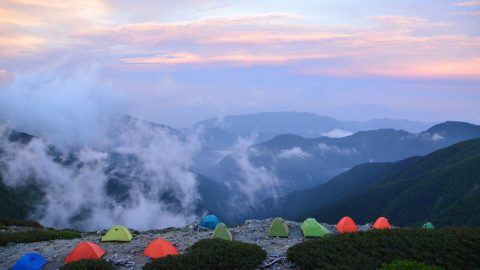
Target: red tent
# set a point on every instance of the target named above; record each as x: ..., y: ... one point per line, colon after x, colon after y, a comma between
x: 85, y: 250
x: 160, y: 248
x: 382, y: 223
x: 346, y: 224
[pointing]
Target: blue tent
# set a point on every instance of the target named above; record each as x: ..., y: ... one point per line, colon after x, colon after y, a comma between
x: 30, y: 261
x: 209, y: 222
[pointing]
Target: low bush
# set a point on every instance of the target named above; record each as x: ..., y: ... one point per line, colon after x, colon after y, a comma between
x: 16, y: 222
x: 408, y: 265
x: 37, y: 235
x: 213, y: 254
x: 88, y: 264
x: 450, y: 248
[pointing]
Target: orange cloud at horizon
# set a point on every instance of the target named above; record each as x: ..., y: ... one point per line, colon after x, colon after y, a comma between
x: 434, y: 70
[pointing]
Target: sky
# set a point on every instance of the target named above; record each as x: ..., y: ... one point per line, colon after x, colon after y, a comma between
x: 178, y: 62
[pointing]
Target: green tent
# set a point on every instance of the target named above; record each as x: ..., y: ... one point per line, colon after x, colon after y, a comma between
x: 222, y: 232
x: 278, y: 228
x: 311, y: 228
x: 117, y: 233
x: 428, y: 225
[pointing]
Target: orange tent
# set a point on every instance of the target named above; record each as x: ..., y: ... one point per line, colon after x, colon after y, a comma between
x: 382, y: 223
x: 346, y: 224
x: 160, y: 248
x: 85, y: 250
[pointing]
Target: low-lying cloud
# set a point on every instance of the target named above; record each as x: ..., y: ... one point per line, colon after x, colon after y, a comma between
x: 96, y: 166
x: 437, y: 137
x: 253, y: 180
x: 337, y: 133
x: 326, y: 149
x: 295, y: 152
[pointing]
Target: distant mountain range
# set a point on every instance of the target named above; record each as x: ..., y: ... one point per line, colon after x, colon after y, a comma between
x: 300, y: 162
x: 219, y: 135
x: 442, y: 187
x: 271, y: 124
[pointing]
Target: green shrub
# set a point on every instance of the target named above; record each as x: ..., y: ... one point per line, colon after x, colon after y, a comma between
x: 212, y: 254
x: 37, y: 235
x: 16, y: 222
x: 450, y: 248
x: 408, y: 265
x: 134, y: 232
x: 88, y: 264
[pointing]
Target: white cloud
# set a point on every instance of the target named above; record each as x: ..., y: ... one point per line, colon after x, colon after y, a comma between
x: 295, y: 152
x: 325, y: 149
x: 337, y: 133
x: 84, y: 123
x: 252, y: 179
x: 437, y: 136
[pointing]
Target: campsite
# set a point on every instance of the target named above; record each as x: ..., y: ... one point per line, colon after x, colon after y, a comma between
x: 239, y: 135
x: 157, y: 244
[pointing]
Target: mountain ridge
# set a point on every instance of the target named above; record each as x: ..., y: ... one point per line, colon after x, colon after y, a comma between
x: 300, y: 162
x: 442, y: 187
x: 270, y: 124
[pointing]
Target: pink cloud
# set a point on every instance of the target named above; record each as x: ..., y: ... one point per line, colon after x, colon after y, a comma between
x: 432, y: 69
x: 35, y: 26
x: 472, y: 3
x: 244, y: 41
x: 264, y: 39
x: 469, y: 13
x: 238, y: 58
x: 5, y: 77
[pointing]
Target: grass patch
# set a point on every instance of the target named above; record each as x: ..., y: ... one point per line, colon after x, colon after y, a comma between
x: 213, y: 254
x: 17, y: 222
x: 408, y: 265
x: 88, y: 264
x: 37, y: 235
x: 450, y: 248
x: 134, y: 232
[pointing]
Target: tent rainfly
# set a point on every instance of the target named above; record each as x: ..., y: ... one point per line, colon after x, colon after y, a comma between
x: 209, y: 222
x: 222, y: 232
x: 117, y: 233
x: 278, y: 228
x: 30, y: 261
x: 311, y: 228
x: 381, y: 223
x: 346, y: 224
x: 85, y: 250
x: 159, y: 248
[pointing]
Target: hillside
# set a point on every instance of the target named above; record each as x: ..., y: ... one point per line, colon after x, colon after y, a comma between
x: 442, y: 187
x: 343, y: 186
x: 300, y: 162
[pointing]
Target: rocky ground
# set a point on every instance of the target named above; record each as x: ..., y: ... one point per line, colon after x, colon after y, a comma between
x: 129, y: 256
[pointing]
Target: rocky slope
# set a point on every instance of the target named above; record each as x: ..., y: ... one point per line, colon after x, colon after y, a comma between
x: 129, y: 256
